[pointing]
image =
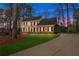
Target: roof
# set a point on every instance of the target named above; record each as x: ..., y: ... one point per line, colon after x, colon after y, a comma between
x: 32, y: 18
x: 50, y: 21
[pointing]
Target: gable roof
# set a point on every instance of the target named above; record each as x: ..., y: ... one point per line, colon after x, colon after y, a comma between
x: 50, y: 21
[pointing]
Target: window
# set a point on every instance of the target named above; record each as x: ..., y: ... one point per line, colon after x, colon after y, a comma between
x: 28, y: 23
x: 35, y: 22
x: 52, y: 28
x: 34, y: 29
x: 46, y: 29
x: 32, y: 23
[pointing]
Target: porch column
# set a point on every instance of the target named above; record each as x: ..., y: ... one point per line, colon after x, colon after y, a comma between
x: 49, y: 29
x: 27, y: 29
x: 22, y: 29
x: 38, y: 29
x: 35, y: 29
x: 41, y: 29
x: 30, y: 29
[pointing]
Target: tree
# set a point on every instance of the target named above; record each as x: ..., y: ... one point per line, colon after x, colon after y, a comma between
x: 67, y: 8
x: 74, y: 14
x: 16, y: 9
x: 27, y: 10
x: 75, y: 18
x: 28, y: 13
x: 9, y: 17
x: 60, y: 16
x: 60, y: 13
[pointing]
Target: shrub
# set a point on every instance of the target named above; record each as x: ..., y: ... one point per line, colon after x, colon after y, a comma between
x: 57, y: 29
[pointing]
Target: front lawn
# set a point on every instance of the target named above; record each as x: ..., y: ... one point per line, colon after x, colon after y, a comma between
x: 28, y: 42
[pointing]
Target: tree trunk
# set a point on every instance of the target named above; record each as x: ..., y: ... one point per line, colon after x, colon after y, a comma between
x: 14, y: 19
x: 10, y: 20
x: 67, y: 7
x: 74, y: 27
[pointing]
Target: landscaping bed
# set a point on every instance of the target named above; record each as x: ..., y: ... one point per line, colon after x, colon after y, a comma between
x: 7, y: 39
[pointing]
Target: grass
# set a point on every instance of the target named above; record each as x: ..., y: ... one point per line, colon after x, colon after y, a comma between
x: 28, y: 42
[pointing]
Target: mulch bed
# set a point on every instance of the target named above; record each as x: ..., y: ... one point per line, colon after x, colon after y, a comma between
x: 7, y: 40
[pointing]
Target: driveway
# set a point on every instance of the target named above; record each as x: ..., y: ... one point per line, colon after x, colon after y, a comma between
x: 64, y: 45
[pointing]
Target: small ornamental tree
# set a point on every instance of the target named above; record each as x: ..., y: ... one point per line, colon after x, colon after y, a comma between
x: 57, y: 29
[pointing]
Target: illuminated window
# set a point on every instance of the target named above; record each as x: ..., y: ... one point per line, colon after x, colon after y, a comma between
x: 45, y: 29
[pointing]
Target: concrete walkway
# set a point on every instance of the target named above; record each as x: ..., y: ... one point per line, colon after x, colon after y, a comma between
x: 64, y: 45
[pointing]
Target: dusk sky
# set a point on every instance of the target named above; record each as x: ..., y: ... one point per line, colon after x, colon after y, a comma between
x: 40, y: 8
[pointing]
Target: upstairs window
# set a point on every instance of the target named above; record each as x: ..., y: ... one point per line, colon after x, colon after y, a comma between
x: 35, y: 22
x: 28, y: 23
x: 32, y: 23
